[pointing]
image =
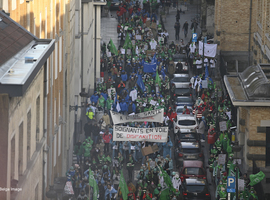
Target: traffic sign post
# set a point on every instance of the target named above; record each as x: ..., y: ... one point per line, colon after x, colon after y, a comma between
x: 194, y: 37
x: 230, y: 184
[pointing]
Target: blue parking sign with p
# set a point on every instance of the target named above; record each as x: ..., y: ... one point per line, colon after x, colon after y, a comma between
x: 194, y: 37
x: 230, y: 184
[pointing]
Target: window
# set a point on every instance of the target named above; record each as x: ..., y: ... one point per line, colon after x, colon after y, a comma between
x: 40, y: 25
x: 193, y: 171
x: 45, y: 36
x: 191, y: 150
x: 186, y: 122
x: 20, y: 168
x: 12, y: 172
x: 60, y: 53
x: 36, y: 192
x: 29, y: 135
x: 37, y: 119
x: 259, y: 11
x: 181, y: 79
x: 59, y: 141
x: 195, y: 188
x: 54, y: 112
x: 56, y: 60
x: 54, y: 150
x: 14, y: 4
x: 267, y: 154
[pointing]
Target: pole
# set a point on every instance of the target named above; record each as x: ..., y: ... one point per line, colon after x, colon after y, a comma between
x: 249, y: 31
x: 236, y: 189
x: 203, y: 54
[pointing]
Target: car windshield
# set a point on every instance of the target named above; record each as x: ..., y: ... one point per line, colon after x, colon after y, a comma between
x: 183, y: 99
x: 187, y: 136
x: 180, y: 57
x: 193, y: 171
x: 180, y: 110
x: 195, y: 188
x: 188, y: 150
x: 187, y: 122
x: 182, y: 91
x: 180, y: 79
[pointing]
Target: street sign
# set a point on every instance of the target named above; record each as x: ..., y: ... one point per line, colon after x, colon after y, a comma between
x: 230, y: 184
x: 194, y: 37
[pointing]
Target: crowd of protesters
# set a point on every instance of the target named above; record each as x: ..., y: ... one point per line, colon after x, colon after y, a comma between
x: 131, y: 86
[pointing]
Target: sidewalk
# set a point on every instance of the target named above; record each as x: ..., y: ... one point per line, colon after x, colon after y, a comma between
x: 109, y: 30
x: 188, y: 16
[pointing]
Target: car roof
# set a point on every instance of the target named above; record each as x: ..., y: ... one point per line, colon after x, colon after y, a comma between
x: 185, y: 116
x: 190, y: 145
x: 192, y: 163
x: 195, y: 181
x: 181, y: 75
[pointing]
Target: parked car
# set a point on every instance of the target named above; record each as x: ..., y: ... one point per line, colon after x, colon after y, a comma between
x: 188, y: 151
x: 183, y: 59
x: 192, y: 168
x: 185, y: 121
x: 195, y: 188
x: 180, y: 109
x: 184, y: 100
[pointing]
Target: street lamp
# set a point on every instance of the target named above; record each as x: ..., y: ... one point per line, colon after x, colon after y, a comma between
x: 236, y: 148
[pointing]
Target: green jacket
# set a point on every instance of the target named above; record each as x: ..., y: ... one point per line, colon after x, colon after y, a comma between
x: 109, y: 103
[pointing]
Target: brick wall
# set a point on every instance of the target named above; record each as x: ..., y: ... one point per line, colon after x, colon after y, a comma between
x: 232, y: 20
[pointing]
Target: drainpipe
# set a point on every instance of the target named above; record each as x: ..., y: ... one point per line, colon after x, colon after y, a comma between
x: 95, y: 53
x: 249, y: 31
x: 82, y: 32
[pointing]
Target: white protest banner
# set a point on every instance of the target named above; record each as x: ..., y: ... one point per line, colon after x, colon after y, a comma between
x: 109, y: 54
x: 68, y: 188
x: 241, y: 184
x: 222, y: 126
x: 128, y: 51
x: 123, y: 51
x: 229, y: 114
x: 221, y: 159
x: 149, y: 116
x: 204, y: 84
x: 138, y: 37
x: 124, y: 133
x: 152, y: 102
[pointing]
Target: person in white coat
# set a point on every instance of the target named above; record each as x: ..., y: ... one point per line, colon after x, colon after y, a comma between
x: 176, y: 181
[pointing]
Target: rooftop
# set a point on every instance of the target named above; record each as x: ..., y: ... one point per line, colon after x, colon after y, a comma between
x: 21, y: 56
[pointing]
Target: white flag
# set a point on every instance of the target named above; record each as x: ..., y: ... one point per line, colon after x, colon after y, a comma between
x: 210, y: 50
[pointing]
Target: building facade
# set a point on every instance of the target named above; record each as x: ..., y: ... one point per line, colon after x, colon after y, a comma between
x: 23, y: 65
x: 250, y: 94
x: 261, y: 35
x: 69, y: 75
